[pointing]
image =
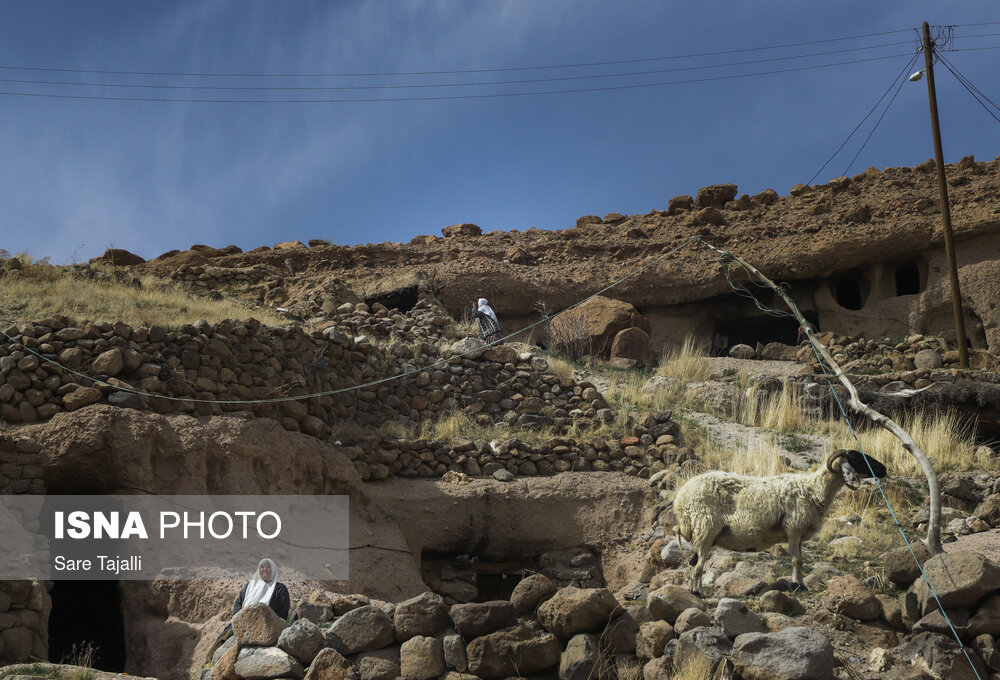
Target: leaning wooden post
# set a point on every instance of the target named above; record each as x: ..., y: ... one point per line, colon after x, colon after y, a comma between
x: 933, y: 540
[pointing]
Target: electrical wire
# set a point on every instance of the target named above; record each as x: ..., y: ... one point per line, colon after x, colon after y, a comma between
x: 972, y: 89
x: 858, y: 126
x: 879, y: 121
x: 499, y: 95
x: 436, y: 85
x: 447, y: 72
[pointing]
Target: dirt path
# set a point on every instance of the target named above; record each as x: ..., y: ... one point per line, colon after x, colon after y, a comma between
x: 799, y: 448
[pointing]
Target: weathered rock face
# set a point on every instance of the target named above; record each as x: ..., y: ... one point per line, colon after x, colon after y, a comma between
x: 792, y: 654
x: 961, y: 579
x: 599, y: 319
x: 577, y: 610
x: 513, y: 651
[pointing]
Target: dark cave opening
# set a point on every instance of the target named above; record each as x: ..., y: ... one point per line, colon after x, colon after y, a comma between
x: 849, y: 294
x: 908, y: 279
x: 749, y: 330
x: 496, y: 585
x: 87, y: 615
x: 402, y: 299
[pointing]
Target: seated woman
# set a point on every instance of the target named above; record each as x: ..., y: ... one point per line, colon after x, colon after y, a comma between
x: 264, y: 587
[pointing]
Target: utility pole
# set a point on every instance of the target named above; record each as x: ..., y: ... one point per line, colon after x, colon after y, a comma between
x: 949, y: 245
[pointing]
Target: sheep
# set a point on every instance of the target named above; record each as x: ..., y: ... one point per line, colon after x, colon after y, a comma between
x: 747, y: 514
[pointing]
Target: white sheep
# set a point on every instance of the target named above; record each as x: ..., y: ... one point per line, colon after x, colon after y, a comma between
x: 753, y: 513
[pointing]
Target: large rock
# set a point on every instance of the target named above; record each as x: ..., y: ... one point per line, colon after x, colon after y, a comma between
x: 531, y: 592
x: 987, y: 617
x: 360, y: 630
x: 652, y: 638
x: 329, y: 665
x: 80, y: 397
x: 619, y: 636
x: 900, y: 567
x: 224, y: 667
x: 715, y: 196
x: 479, y: 618
x: 989, y: 510
x: 741, y: 351
x: 598, y: 321
x: 848, y: 596
x: 421, y: 658
x: 632, y: 343
x: 960, y: 579
x: 777, y: 351
x: 709, y: 644
x: 257, y: 626
x: 733, y: 617
x: 793, y: 654
x: 463, y: 229
x: 303, y: 640
x: 454, y: 653
x: 424, y: 614
x: 667, y: 603
x: 943, y: 657
x: 381, y: 664
x: 469, y: 348
x: 578, y: 610
x: 518, y: 650
x: 118, y: 257
x: 264, y: 663
x: 583, y: 660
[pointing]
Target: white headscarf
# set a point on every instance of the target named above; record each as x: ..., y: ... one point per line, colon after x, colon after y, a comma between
x: 486, y: 309
x: 259, y: 590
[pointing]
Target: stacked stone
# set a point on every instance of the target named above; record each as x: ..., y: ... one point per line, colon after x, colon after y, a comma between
x: 20, y: 465
x: 24, y: 616
x: 575, y: 633
x: 865, y: 355
x: 239, y: 361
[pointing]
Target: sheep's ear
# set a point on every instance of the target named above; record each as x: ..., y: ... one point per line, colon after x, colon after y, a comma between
x: 851, y: 477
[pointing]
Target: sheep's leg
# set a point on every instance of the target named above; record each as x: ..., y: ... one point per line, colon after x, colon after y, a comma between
x: 795, y: 550
x: 702, y: 548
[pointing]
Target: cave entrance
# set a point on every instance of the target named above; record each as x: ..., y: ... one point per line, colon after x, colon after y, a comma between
x: 749, y: 330
x: 87, y: 619
x: 402, y: 299
x: 908, y: 279
x: 849, y: 294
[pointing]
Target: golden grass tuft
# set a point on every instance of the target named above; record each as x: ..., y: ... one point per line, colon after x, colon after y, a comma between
x: 561, y: 367
x: 698, y: 667
x: 687, y: 362
x: 39, y: 290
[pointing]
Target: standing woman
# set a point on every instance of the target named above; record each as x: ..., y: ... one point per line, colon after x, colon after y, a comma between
x: 489, y: 327
x: 264, y: 587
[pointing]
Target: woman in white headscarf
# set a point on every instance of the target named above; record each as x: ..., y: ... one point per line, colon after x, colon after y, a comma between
x: 264, y: 587
x: 489, y: 327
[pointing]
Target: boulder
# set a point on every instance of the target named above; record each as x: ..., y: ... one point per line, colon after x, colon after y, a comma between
x: 224, y: 666
x: 454, y: 653
x: 531, y: 592
x: 421, y: 658
x: 733, y: 617
x: 597, y: 321
x: 652, y: 638
x: 80, y: 397
x: 468, y: 348
x: 667, y: 603
x: 659, y: 669
x: 632, y: 343
x: 425, y: 614
x: 778, y: 351
x: 578, y: 610
x: 118, y: 258
x: 264, y: 663
x: 108, y: 363
x: 692, y: 618
x: 715, y: 196
x: 479, y: 618
x: 583, y: 659
x: 258, y: 626
x: 989, y: 510
x: 329, y: 665
x: 518, y: 650
x: 987, y: 617
x: 587, y: 220
x: 848, y: 596
x: 678, y: 204
x: 927, y: 358
x: 381, y: 664
x: 709, y: 644
x: 741, y: 351
x: 793, y: 654
x: 943, y: 657
x: 464, y: 229
x: 619, y: 636
x: 303, y: 640
x: 900, y: 567
x: 960, y: 579
x: 360, y: 630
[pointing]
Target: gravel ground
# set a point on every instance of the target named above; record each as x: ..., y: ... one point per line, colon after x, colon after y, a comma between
x: 778, y: 369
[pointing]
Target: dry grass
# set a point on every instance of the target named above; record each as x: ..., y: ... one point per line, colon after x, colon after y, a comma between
x: 561, y: 367
x: 944, y: 436
x: 687, y: 362
x: 39, y: 290
x: 698, y: 668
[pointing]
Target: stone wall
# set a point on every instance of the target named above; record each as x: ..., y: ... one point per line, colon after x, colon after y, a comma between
x: 24, y: 605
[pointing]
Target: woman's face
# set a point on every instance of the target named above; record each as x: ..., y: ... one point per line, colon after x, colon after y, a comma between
x: 265, y: 571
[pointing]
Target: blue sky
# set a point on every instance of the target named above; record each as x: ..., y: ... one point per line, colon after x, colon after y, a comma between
x: 80, y: 175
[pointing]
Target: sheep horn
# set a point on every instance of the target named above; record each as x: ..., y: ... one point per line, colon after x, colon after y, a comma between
x: 839, y: 453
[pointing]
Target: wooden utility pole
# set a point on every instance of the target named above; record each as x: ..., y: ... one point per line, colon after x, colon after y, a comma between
x: 949, y: 245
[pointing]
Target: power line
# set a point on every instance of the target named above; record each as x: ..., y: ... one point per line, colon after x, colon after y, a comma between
x: 971, y: 89
x: 446, y: 72
x: 443, y: 97
x: 879, y: 121
x: 436, y: 85
x: 867, y: 116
